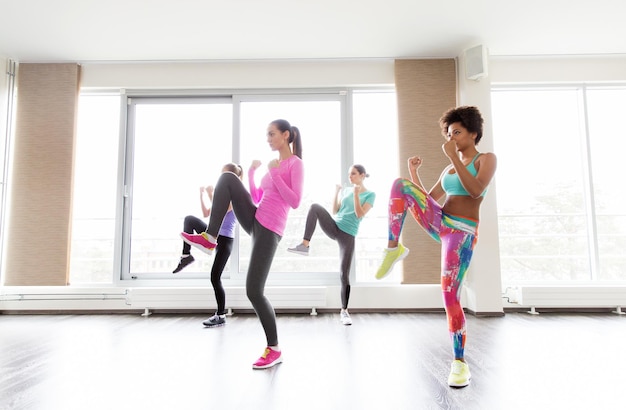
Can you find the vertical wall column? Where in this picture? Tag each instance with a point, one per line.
(425, 90)
(38, 240)
(483, 286)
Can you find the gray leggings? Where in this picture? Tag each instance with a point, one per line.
(230, 189)
(345, 241)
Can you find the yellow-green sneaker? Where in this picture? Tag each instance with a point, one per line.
(390, 258)
(459, 374)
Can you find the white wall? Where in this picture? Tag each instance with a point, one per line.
(485, 275)
(239, 74)
(483, 285)
(556, 69)
(230, 75)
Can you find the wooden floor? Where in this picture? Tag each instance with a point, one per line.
(383, 361)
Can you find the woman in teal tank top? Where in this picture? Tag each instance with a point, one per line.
(349, 206)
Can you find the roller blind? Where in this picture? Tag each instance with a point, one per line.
(41, 178)
(425, 90)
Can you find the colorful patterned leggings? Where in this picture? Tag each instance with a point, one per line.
(457, 236)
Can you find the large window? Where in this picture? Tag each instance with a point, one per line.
(6, 133)
(375, 122)
(95, 190)
(175, 148)
(127, 220)
(607, 139)
(319, 120)
(559, 209)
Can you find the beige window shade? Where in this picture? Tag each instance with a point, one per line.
(425, 90)
(42, 175)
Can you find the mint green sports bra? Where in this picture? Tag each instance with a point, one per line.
(451, 183)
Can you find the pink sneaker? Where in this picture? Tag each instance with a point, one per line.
(269, 358)
(200, 241)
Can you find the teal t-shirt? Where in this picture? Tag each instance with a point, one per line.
(345, 218)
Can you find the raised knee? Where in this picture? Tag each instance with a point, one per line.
(398, 182)
(227, 175)
(316, 207)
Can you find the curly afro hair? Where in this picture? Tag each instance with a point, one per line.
(469, 117)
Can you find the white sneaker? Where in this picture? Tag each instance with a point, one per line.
(345, 318)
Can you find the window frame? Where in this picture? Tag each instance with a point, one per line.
(122, 255)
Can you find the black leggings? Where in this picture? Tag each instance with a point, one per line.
(345, 241)
(230, 190)
(222, 253)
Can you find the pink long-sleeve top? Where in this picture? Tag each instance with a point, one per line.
(280, 189)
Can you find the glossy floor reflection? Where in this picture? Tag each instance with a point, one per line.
(383, 361)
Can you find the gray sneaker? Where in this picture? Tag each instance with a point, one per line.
(184, 261)
(215, 320)
(300, 250)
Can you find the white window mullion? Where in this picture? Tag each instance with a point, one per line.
(592, 231)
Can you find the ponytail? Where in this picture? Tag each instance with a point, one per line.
(294, 136)
(296, 141)
(361, 170)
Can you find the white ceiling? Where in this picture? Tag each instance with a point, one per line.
(163, 30)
